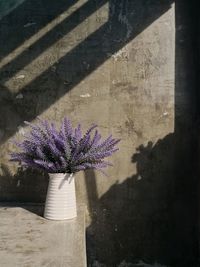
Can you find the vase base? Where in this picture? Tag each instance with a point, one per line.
(60, 219)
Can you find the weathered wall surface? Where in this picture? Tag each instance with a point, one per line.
(92, 64)
(112, 63)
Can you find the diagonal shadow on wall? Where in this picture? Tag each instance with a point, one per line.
(48, 87)
(14, 27)
(49, 39)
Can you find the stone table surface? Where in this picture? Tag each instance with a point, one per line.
(29, 240)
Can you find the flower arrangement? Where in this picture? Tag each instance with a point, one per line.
(65, 150)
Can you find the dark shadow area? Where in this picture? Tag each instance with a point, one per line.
(91, 187)
(50, 86)
(7, 6)
(153, 215)
(26, 20)
(27, 185)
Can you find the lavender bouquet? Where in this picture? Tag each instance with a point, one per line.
(65, 150)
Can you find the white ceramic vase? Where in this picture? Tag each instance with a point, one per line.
(61, 197)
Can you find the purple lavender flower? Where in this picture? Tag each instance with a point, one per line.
(66, 150)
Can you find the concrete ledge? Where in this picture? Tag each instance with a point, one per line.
(29, 240)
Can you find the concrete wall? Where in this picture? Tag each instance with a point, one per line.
(112, 63)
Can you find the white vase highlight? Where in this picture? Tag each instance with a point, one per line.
(61, 197)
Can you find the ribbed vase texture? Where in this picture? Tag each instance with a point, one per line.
(61, 197)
